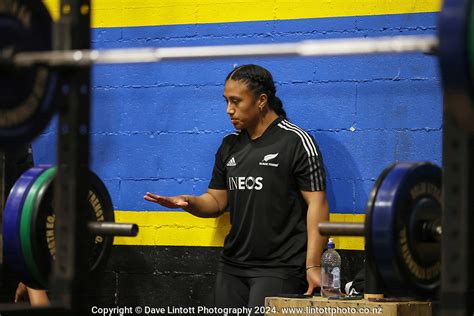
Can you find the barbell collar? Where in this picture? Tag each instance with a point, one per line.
(431, 231)
(313, 48)
(341, 229)
(113, 229)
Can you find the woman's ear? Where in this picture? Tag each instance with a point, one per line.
(262, 100)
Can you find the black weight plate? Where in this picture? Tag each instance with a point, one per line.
(12, 250)
(453, 46)
(410, 193)
(26, 95)
(99, 208)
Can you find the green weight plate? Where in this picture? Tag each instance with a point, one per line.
(43, 209)
(45, 192)
(25, 224)
(98, 208)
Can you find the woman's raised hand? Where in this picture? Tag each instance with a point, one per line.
(179, 201)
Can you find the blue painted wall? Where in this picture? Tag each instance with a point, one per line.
(157, 127)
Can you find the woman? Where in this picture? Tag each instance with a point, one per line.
(269, 174)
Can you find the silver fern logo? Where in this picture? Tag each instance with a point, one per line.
(270, 157)
(267, 158)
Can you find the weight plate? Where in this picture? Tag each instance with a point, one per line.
(101, 209)
(453, 47)
(43, 255)
(13, 253)
(26, 94)
(98, 207)
(375, 189)
(368, 217)
(471, 42)
(25, 225)
(426, 250)
(409, 196)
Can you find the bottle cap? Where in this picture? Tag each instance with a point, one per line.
(331, 244)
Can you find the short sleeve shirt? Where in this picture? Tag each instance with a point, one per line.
(264, 179)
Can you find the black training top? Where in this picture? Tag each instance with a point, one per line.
(264, 178)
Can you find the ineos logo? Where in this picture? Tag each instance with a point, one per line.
(245, 183)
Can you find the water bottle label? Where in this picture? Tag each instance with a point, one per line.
(335, 277)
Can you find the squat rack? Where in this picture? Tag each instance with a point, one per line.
(69, 277)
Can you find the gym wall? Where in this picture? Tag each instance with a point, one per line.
(156, 127)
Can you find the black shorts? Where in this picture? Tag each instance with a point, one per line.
(238, 291)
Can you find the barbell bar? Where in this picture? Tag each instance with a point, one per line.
(430, 230)
(341, 229)
(112, 229)
(312, 48)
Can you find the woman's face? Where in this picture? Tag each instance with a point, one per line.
(242, 106)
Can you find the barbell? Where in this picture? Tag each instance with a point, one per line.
(402, 229)
(29, 225)
(30, 69)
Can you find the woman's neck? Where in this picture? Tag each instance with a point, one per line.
(261, 126)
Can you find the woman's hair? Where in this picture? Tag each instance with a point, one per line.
(258, 80)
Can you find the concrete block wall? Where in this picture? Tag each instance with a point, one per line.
(156, 127)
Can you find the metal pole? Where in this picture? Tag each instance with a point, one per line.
(70, 282)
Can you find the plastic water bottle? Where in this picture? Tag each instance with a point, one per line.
(330, 271)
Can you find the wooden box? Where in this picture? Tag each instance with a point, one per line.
(322, 306)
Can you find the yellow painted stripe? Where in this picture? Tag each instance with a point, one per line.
(53, 7)
(125, 13)
(173, 229)
(183, 229)
(344, 242)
